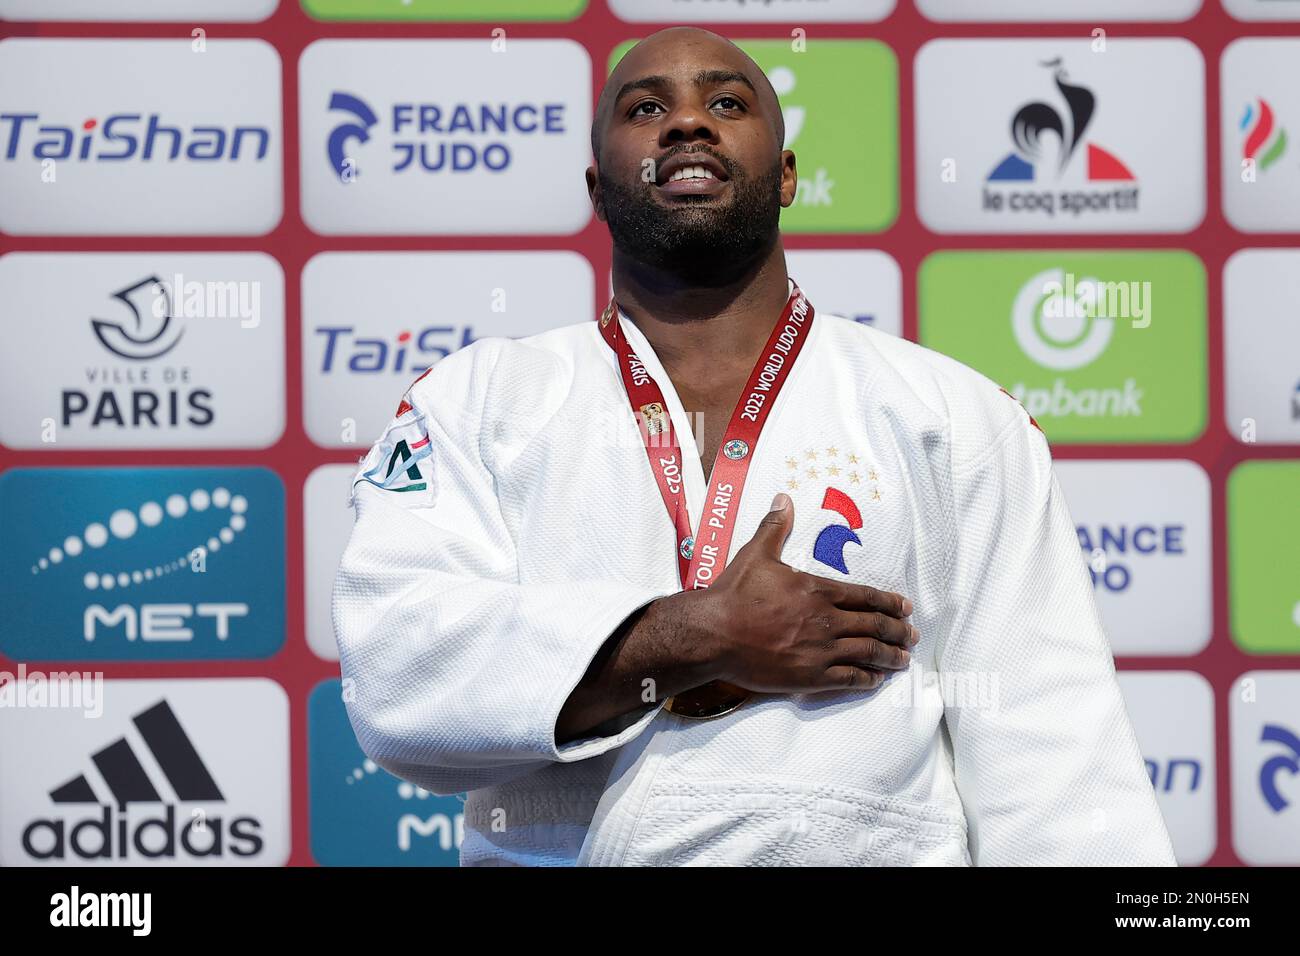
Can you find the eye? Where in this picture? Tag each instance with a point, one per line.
(728, 98)
(636, 110)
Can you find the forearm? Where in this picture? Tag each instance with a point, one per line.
(662, 649)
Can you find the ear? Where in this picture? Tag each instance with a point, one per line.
(594, 192)
(789, 178)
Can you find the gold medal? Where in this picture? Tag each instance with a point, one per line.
(713, 699)
(730, 467)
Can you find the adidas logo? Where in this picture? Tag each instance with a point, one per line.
(119, 832)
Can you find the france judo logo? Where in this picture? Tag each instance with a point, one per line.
(1289, 762)
(345, 133)
(829, 547)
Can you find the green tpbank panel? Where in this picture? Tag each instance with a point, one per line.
(1264, 556)
(1100, 347)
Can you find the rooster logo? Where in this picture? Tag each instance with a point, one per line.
(1035, 122)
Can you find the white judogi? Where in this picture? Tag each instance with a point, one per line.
(508, 521)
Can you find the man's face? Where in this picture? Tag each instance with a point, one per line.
(690, 174)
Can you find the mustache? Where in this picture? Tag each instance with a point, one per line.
(727, 164)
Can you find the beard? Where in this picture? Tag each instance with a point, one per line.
(696, 237)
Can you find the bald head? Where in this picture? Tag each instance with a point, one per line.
(698, 56)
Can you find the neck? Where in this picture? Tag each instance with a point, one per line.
(695, 328)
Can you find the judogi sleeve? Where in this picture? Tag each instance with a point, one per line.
(455, 673)
(1047, 766)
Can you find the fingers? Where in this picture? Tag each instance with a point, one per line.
(861, 597)
(847, 677)
(774, 528)
(865, 652)
(882, 627)
(862, 663)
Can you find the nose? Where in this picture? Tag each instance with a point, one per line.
(689, 122)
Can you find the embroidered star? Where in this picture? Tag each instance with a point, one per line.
(871, 475)
(832, 470)
(832, 451)
(875, 494)
(853, 477)
(792, 485)
(812, 455)
(853, 459)
(812, 472)
(791, 463)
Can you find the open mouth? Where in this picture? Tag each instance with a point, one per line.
(691, 175)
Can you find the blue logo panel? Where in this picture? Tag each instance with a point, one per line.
(362, 815)
(141, 564)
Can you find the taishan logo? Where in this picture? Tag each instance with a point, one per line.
(129, 136)
(347, 349)
(1051, 144)
(117, 831)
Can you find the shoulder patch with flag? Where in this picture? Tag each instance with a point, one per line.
(399, 460)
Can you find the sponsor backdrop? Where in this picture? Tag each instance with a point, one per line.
(233, 231)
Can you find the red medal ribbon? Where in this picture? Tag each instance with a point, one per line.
(701, 557)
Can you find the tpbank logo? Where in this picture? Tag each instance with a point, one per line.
(839, 99)
(141, 564)
(362, 815)
(1098, 346)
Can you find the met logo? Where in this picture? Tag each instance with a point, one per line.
(120, 137)
(361, 815)
(160, 622)
(141, 564)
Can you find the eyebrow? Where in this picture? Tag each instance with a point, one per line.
(702, 78)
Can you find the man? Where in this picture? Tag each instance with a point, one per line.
(901, 663)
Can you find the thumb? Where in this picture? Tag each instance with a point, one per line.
(775, 527)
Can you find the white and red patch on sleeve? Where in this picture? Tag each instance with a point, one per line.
(1023, 409)
(404, 405)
